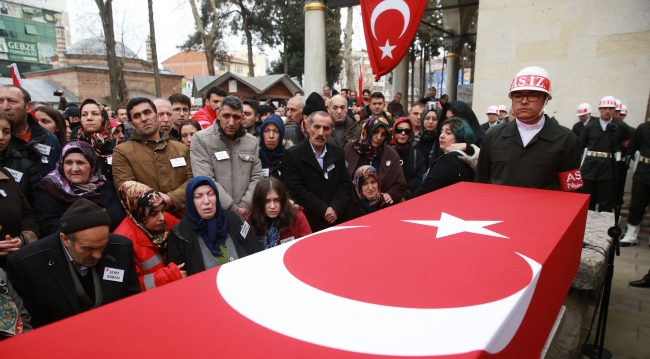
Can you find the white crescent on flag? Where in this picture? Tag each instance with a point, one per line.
(386, 5)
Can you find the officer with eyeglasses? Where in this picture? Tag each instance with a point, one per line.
(533, 151)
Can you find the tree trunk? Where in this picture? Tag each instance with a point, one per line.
(249, 42)
(106, 14)
(122, 90)
(412, 52)
(209, 55)
(285, 57)
(208, 38)
(154, 54)
(347, 51)
(422, 72)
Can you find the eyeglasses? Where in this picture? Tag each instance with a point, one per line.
(406, 131)
(181, 110)
(227, 116)
(531, 96)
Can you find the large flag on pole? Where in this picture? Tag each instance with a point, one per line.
(389, 26)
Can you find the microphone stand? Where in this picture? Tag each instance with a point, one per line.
(596, 350)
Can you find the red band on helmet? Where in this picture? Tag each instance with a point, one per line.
(539, 82)
(607, 103)
(570, 180)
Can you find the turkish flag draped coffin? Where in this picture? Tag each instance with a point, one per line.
(389, 27)
(470, 271)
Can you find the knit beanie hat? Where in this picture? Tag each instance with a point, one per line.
(83, 214)
(314, 103)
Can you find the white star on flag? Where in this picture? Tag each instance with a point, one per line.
(448, 225)
(387, 50)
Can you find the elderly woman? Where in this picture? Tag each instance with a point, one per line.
(412, 161)
(372, 149)
(52, 120)
(186, 130)
(22, 167)
(148, 225)
(425, 141)
(18, 224)
(454, 166)
(366, 193)
(208, 236)
(77, 175)
(272, 146)
(96, 130)
(273, 217)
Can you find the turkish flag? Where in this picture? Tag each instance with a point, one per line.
(431, 277)
(360, 89)
(390, 26)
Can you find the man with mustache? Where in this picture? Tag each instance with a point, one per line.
(229, 155)
(533, 150)
(316, 175)
(152, 158)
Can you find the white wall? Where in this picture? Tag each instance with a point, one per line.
(591, 48)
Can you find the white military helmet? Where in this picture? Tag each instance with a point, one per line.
(503, 108)
(493, 109)
(583, 109)
(623, 110)
(618, 104)
(532, 78)
(607, 101)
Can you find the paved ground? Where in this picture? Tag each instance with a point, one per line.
(628, 325)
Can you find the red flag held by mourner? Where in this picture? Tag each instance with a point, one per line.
(390, 26)
(360, 89)
(15, 75)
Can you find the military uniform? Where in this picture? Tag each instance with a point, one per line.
(596, 168)
(641, 179)
(549, 161)
(579, 126)
(623, 166)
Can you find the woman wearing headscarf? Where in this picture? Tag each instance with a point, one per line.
(273, 217)
(366, 194)
(77, 175)
(96, 130)
(372, 149)
(453, 166)
(208, 235)
(412, 161)
(148, 225)
(272, 146)
(425, 141)
(461, 110)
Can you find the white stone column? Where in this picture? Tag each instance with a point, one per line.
(401, 80)
(451, 81)
(314, 78)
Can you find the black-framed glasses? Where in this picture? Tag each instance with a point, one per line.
(531, 96)
(406, 131)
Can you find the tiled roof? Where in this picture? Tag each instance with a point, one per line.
(42, 90)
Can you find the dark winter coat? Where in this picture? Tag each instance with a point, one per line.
(413, 166)
(23, 169)
(40, 136)
(351, 132)
(450, 168)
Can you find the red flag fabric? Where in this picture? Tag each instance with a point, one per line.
(360, 87)
(389, 27)
(466, 282)
(15, 75)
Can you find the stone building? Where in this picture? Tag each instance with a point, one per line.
(84, 72)
(591, 48)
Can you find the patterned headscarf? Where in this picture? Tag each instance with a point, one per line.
(360, 176)
(11, 322)
(138, 200)
(57, 185)
(363, 144)
(101, 139)
(401, 120)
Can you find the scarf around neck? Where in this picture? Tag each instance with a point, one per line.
(272, 157)
(363, 144)
(138, 200)
(214, 231)
(100, 140)
(360, 176)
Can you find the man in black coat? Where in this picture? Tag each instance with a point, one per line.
(596, 169)
(75, 270)
(316, 175)
(640, 184)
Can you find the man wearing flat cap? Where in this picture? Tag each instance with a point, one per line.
(74, 270)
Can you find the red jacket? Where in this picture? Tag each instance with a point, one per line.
(149, 263)
(205, 117)
(300, 227)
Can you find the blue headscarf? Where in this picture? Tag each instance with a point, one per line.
(213, 231)
(272, 157)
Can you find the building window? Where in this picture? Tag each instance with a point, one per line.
(239, 69)
(30, 29)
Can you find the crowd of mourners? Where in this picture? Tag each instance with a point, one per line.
(98, 204)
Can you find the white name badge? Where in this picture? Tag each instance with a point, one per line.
(292, 238)
(17, 175)
(265, 172)
(178, 162)
(109, 160)
(331, 167)
(222, 155)
(115, 275)
(244, 229)
(387, 163)
(43, 149)
(44, 160)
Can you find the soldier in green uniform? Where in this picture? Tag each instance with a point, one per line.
(533, 151)
(640, 183)
(596, 169)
